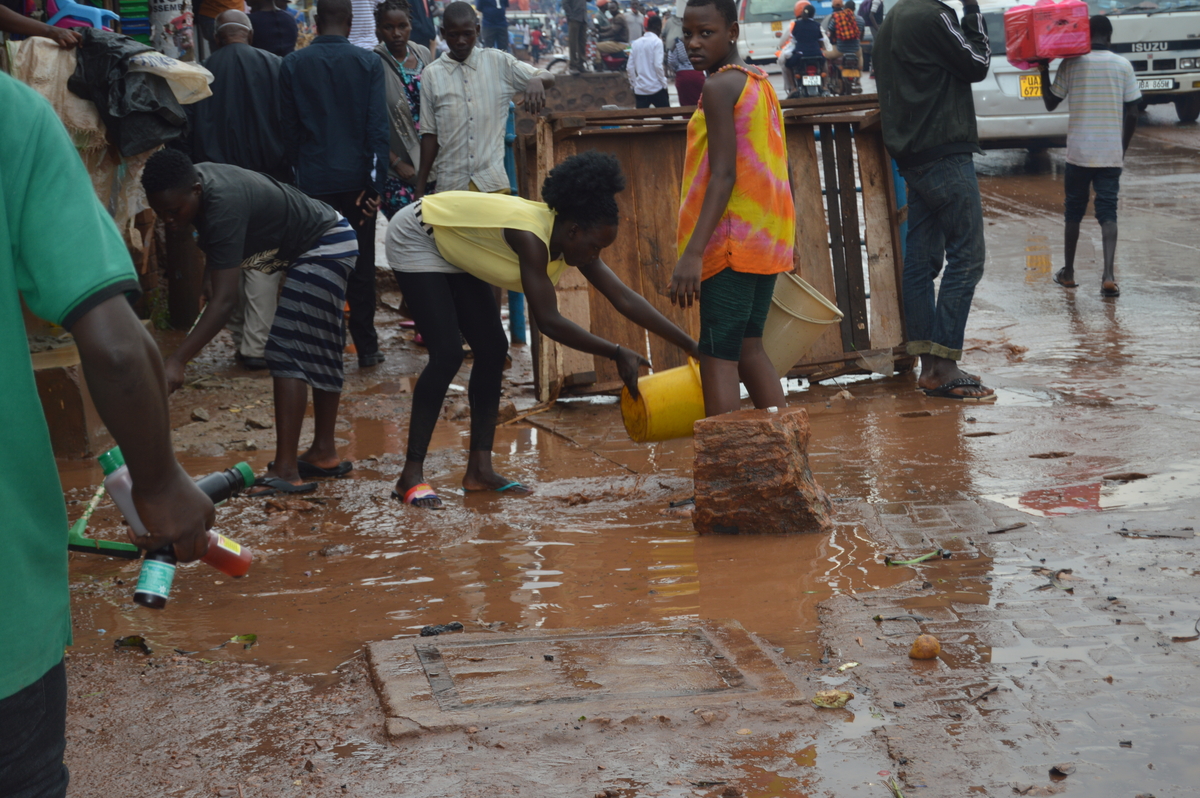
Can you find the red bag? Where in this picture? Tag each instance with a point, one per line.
(1018, 37)
(1061, 30)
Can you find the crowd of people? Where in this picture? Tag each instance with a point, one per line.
(291, 159)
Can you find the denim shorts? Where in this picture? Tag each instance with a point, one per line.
(733, 306)
(1076, 183)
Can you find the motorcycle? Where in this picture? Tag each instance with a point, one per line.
(844, 75)
(808, 77)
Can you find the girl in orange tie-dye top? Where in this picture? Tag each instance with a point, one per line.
(736, 219)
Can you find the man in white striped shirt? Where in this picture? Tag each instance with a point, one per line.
(1103, 96)
(464, 107)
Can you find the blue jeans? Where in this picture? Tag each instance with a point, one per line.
(945, 225)
(495, 37)
(1077, 180)
(33, 737)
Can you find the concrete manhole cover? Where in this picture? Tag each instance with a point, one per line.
(459, 679)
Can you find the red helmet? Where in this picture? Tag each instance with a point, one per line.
(800, 7)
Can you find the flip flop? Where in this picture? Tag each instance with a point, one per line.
(946, 391)
(1058, 278)
(513, 486)
(1110, 292)
(417, 492)
(274, 485)
(310, 471)
(408, 324)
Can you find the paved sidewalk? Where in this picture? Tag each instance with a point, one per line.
(1081, 668)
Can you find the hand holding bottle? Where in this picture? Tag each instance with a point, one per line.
(175, 512)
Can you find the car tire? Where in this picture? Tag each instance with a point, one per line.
(1188, 107)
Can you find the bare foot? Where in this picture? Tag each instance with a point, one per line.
(321, 460)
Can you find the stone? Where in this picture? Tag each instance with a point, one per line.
(752, 474)
(200, 414)
(259, 420)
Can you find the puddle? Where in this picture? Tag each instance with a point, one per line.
(1132, 490)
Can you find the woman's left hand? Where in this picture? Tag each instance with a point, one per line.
(628, 365)
(405, 171)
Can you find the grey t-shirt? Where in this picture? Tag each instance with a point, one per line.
(245, 213)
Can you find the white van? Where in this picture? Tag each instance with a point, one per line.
(1008, 102)
(764, 24)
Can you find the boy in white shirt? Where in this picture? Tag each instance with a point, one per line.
(647, 74)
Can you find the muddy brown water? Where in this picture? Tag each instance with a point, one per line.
(1108, 384)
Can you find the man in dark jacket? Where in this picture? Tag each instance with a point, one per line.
(926, 63)
(335, 128)
(240, 125)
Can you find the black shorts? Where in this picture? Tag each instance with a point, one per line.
(1077, 180)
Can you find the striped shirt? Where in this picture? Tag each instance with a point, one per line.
(465, 104)
(1096, 86)
(362, 26)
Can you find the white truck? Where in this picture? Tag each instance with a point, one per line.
(1161, 38)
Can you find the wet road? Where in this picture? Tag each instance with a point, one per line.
(1089, 388)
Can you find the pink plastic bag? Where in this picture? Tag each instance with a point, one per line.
(1018, 37)
(1061, 30)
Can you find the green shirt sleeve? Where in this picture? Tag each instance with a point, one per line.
(68, 256)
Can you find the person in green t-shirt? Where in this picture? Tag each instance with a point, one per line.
(61, 253)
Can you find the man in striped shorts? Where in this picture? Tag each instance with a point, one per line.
(248, 220)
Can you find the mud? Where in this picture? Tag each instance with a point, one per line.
(1106, 385)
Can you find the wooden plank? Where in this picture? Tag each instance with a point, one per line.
(812, 233)
(852, 238)
(547, 374)
(656, 174)
(833, 202)
(623, 256)
(878, 208)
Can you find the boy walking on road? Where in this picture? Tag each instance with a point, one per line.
(926, 63)
(1104, 99)
(464, 107)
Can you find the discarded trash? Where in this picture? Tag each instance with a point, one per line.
(935, 553)
(246, 640)
(1051, 455)
(132, 641)
(433, 631)
(1181, 532)
(1190, 638)
(832, 699)
(925, 647)
(744, 731)
(1062, 769)
(548, 657)
(847, 666)
(1008, 528)
(1057, 578)
(984, 694)
(1124, 476)
(895, 788)
(917, 618)
(1126, 743)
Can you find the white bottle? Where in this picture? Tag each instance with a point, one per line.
(119, 485)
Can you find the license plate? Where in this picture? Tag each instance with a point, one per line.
(777, 25)
(810, 80)
(851, 73)
(1153, 84)
(1031, 87)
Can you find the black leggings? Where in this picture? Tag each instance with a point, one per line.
(443, 306)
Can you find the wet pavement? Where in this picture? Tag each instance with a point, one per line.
(1094, 433)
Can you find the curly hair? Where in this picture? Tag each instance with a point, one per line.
(387, 6)
(583, 188)
(168, 169)
(726, 8)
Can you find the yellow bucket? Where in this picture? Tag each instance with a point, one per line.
(798, 316)
(668, 404)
